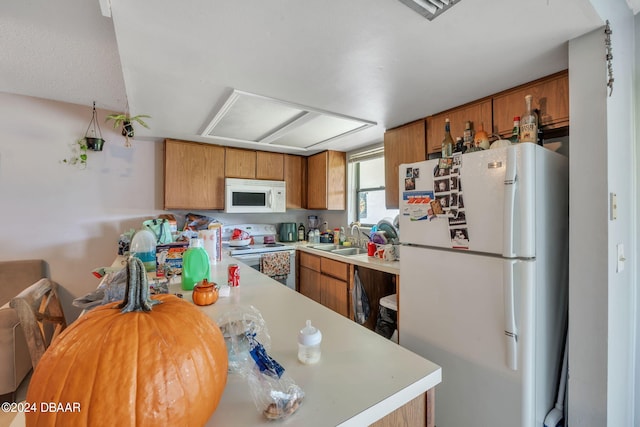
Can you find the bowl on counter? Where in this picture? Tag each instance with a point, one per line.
(239, 242)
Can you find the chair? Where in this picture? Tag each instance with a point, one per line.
(15, 362)
(41, 316)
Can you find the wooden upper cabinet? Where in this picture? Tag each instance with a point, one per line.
(240, 163)
(550, 98)
(478, 113)
(295, 175)
(405, 144)
(193, 175)
(269, 166)
(326, 180)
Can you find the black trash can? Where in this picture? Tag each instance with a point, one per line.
(386, 323)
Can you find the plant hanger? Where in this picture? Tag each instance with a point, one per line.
(94, 141)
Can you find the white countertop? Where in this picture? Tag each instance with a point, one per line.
(363, 260)
(360, 378)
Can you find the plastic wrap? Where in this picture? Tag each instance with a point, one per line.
(237, 324)
(274, 392)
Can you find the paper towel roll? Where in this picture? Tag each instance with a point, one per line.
(212, 240)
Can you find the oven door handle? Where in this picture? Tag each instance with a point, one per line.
(247, 257)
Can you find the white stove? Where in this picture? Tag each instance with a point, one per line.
(260, 248)
(263, 235)
(252, 254)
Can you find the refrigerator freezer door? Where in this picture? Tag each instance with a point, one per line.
(494, 190)
(471, 314)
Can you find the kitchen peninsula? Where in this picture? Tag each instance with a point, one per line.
(361, 378)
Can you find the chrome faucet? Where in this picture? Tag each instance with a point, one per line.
(356, 226)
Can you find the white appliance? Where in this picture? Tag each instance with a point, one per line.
(252, 253)
(484, 262)
(254, 196)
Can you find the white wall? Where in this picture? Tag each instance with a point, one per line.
(602, 308)
(73, 218)
(70, 217)
(636, 180)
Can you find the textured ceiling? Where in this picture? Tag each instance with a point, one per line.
(376, 60)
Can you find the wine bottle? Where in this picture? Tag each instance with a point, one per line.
(468, 136)
(529, 123)
(515, 134)
(447, 142)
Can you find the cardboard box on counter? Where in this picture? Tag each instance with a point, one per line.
(169, 256)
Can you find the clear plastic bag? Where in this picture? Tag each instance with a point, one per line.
(274, 392)
(361, 308)
(237, 324)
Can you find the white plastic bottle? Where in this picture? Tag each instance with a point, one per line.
(143, 247)
(309, 339)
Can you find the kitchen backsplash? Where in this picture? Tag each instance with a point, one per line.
(333, 218)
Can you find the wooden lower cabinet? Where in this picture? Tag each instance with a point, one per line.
(325, 281)
(310, 284)
(419, 413)
(334, 294)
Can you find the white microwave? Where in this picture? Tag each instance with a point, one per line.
(254, 196)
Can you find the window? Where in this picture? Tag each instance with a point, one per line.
(366, 173)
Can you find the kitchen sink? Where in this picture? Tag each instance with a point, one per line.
(349, 251)
(325, 247)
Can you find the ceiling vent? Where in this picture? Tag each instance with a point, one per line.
(430, 9)
(250, 118)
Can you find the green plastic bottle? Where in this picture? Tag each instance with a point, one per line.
(195, 265)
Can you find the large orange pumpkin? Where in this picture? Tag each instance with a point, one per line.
(138, 366)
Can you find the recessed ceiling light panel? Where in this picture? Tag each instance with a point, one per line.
(246, 117)
(430, 9)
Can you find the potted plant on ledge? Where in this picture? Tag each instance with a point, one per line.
(126, 122)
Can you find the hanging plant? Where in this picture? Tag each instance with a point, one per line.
(78, 154)
(126, 122)
(93, 139)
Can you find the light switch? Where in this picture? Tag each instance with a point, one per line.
(621, 258)
(613, 206)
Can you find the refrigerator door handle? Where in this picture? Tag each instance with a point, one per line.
(510, 329)
(510, 179)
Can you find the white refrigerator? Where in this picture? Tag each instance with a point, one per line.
(483, 280)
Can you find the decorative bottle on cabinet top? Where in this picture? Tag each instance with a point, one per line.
(529, 123)
(515, 133)
(468, 136)
(447, 142)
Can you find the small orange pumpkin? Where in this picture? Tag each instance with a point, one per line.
(133, 367)
(204, 293)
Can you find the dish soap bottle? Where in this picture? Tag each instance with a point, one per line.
(143, 247)
(309, 339)
(195, 265)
